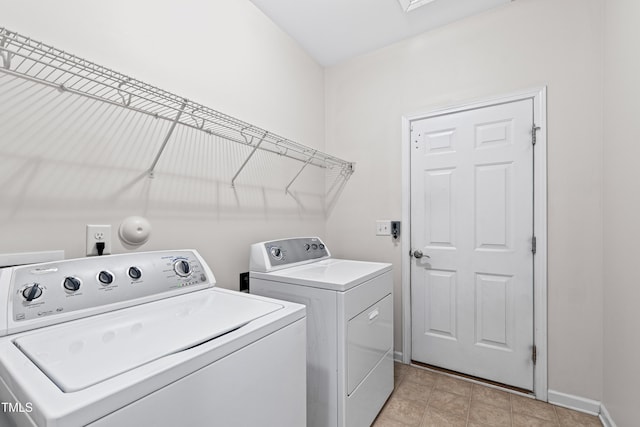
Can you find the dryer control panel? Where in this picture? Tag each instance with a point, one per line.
(42, 294)
(277, 254)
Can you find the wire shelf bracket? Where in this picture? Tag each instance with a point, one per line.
(5, 55)
(35, 61)
(255, 148)
(166, 140)
(286, 189)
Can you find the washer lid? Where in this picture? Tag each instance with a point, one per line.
(79, 354)
(335, 274)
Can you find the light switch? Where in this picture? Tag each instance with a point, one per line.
(383, 227)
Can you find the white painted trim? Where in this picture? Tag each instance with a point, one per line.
(576, 403)
(540, 260)
(531, 93)
(539, 96)
(406, 242)
(397, 356)
(605, 417)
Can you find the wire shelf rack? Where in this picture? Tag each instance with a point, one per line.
(37, 62)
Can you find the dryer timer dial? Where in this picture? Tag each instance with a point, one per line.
(276, 252)
(31, 292)
(182, 268)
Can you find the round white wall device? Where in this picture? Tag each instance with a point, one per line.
(134, 231)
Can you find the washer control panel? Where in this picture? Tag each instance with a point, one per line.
(56, 289)
(274, 254)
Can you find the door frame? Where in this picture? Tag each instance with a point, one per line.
(539, 97)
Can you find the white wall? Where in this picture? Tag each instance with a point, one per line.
(525, 44)
(67, 161)
(621, 211)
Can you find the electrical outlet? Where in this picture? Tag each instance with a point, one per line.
(383, 228)
(244, 282)
(95, 234)
(395, 230)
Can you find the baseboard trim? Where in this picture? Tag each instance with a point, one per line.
(397, 356)
(605, 418)
(577, 403)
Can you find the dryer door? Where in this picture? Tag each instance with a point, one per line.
(370, 337)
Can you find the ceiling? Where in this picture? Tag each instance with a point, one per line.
(332, 31)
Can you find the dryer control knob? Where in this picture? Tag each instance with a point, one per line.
(135, 273)
(105, 277)
(182, 268)
(71, 283)
(32, 292)
(276, 252)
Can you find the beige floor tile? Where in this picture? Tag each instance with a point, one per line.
(397, 378)
(406, 411)
(533, 408)
(399, 370)
(490, 396)
(454, 385)
(436, 419)
(520, 420)
(413, 391)
(489, 415)
(425, 398)
(383, 421)
(396, 382)
(476, 424)
(569, 418)
(419, 375)
(449, 403)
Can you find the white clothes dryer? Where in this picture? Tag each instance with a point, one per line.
(349, 325)
(145, 339)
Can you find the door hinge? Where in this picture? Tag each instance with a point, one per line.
(534, 132)
(534, 354)
(533, 245)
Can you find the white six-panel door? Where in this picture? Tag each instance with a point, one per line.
(472, 218)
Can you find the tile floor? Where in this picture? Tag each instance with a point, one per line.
(423, 398)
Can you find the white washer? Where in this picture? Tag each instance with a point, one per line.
(145, 339)
(349, 325)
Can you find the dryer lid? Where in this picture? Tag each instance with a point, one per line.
(335, 274)
(80, 354)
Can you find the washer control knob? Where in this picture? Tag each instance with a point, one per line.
(314, 246)
(105, 277)
(321, 246)
(71, 283)
(32, 292)
(276, 252)
(135, 273)
(307, 246)
(182, 268)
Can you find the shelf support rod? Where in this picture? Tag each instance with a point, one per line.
(5, 54)
(166, 138)
(286, 189)
(247, 159)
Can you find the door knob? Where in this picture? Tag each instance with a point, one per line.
(418, 254)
